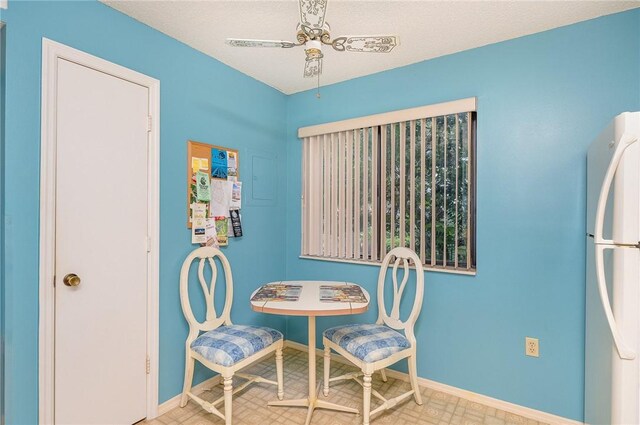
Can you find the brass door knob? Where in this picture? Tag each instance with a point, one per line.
(71, 279)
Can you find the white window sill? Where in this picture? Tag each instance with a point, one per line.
(377, 264)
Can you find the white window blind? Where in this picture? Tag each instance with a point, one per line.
(406, 183)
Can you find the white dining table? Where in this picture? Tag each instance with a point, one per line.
(309, 304)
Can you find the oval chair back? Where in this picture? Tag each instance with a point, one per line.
(397, 256)
(212, 320)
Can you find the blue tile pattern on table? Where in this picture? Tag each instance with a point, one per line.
(228, 345)
(368, 342)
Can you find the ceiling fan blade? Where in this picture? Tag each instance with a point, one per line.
(312, 67)
(241, 42)
(366, 44)
(312, 16)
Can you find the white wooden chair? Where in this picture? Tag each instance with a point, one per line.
(373, 347)
(223, 347)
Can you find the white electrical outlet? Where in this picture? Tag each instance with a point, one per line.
(531, 347)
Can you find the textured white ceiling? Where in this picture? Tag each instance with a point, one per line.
(427, 29)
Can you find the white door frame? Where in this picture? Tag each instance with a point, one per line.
(51, 52)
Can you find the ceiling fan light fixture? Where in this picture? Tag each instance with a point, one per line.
(313, 49)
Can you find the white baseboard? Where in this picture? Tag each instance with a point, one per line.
(174, 402)
(516, 409)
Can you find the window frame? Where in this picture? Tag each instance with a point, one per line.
(468, 105)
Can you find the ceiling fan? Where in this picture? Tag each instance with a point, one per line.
(313, 32)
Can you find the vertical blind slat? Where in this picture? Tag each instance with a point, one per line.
(469, 192)
(349, 195)
(307, 198)
(403, 182)
(342, 182)
(317, 209)
(392, 175)
(444, 194)
(314, 192)
(335, 157)
(365, 193)
(356, 191)
(383, 191)
(423, 203)
(455, 255)
(326, 164)
(434, 189)
(304, 204)
(412, 190)
(374, 193)
(328, 192)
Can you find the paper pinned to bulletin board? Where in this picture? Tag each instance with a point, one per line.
(213, 184)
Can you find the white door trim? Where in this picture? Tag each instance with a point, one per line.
(51, 51)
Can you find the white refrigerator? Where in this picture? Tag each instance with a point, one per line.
(612, 337)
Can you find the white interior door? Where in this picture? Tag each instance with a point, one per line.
(101, 236)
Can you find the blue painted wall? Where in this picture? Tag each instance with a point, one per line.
(2, 144)
(541, 100)
(201, 99)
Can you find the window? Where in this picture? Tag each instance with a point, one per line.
(404, 178)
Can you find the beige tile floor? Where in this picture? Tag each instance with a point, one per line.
(250, 405)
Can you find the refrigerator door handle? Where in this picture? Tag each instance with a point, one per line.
(601, 244)
(624, 352)
(625, 141)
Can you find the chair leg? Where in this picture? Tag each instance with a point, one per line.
(279, 373)
(188, 379)
(383, 374)
(413, 376)
(327, 370)
(228, 392)
(366, 399)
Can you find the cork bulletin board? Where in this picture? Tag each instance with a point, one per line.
(206, 157)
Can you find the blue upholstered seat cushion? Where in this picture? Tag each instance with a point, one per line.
(228, 345)
(368, 342)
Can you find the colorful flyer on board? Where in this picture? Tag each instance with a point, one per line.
(232, 166)
(236, 225)
(203, 192)
(198, 230)
(220, 197)
(221, 231)
(218, 163)
(236, 196)
(229, 228)
(199, 164)
(210, 232)
(199, 210)
(198, 224)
